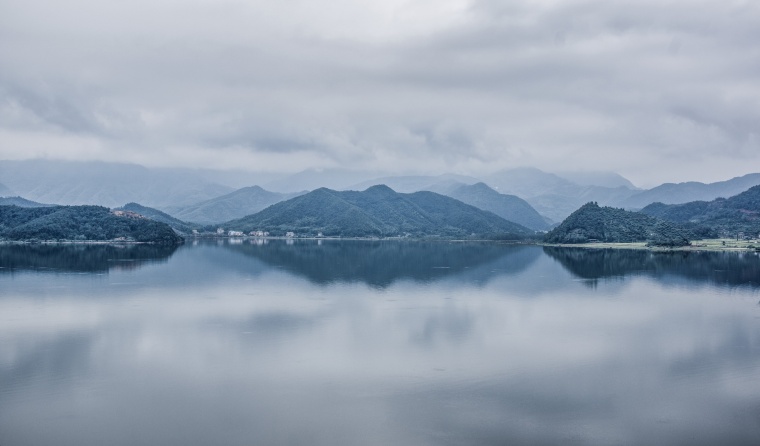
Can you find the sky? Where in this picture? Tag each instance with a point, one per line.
(658, 91)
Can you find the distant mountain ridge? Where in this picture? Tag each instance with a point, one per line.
(105, 184)
(671, 193)
(739, 213)
(21, 202)
(414, 183)
(508, 207)
(156, 215)
(380, 212)
(237, 204)
(553, 196)
(5, 191)
(597, 178)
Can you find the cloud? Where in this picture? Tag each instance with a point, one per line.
(657, 91)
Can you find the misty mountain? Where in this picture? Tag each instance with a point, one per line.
(107, 184)
(552, 196)
(237, 204)
(597, 178)
(5, 191)
(336, 179)
(606, 224)
(21, 202)
(416, 183)
(508, 207)
(156, 215)
(671, 193)
(378, 211)
(738, 213)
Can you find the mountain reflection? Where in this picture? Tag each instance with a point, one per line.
(723, 268)
(381, 263)
(80, 258)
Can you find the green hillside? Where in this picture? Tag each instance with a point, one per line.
(378, 212)
(740, 213)
(508, 207)
(605, 224)
(155, 214)
(21, 202)
(80, 223)
(237, 204)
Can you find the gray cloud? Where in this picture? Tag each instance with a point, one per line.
(657, 91)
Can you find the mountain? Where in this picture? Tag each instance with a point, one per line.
(21, 202)
(670, 193)
(740, 213)
(597, 178)
(552, 196)
(107, 184)
(5, 191)
(80, 223)
(378, 212)
(508, 207)
(416, 183)
(156, 215)
(237, 204)
(338, 179)
(606, 224)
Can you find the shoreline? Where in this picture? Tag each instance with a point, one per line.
(82, 242)
(716, 245)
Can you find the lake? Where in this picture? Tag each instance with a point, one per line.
(377, 343)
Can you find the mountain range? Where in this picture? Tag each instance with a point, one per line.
(380, 212)
(5, 191)
(105, 184)
(739, 213)
(508, 207)
(21, 202)
(237, 204)
(157, 215)
(189, 194)
(671, 193)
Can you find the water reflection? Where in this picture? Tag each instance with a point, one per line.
(381, 263)
(227, 344)
(721, 268)
(80, 258)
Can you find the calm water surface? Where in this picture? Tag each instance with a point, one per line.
(377, 343)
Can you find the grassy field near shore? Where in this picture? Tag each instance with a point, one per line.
(723, 244)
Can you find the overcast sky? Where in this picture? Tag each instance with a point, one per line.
(657, 91)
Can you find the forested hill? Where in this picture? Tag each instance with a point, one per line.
(605, 224)
(21, 202)
(379, 212)
(508, 207)
(740, 213)
(155, 214)
(81, 223)
(237, 204)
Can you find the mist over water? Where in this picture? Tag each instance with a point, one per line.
(353, 342)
